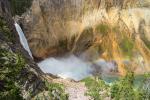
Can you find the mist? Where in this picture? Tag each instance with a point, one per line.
(72, 67)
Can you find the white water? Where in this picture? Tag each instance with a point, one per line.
(73, 67)
(23, 39)
(68, 68)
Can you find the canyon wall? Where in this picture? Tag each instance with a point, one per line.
(20, 77)
(111, 29)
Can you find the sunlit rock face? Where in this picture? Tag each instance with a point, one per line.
(55, 27)
(50, 23)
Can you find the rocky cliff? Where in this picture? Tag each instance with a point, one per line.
(110, 29)
(20, 78)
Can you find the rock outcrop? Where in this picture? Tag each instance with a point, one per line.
(19, 74)
(55, 27)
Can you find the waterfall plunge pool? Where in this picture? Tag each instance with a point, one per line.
(73, 67)
(69, 67)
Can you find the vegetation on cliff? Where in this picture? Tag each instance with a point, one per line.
(11, 65)
(126, 46)
(97, 88)
(5, 30)
(15, 74)
(123, 89)
(102, 29)
(20, 6)
(56, 91)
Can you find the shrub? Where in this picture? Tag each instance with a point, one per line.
(102, 29)
(11, 65)
(124, 88)
(5, 30)
(95, 88)
(126, 46)
(56, 91)
(144, 90)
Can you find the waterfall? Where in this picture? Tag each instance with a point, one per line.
(23, 39)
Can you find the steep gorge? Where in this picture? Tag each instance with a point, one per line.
(74, 38)
(98, 28)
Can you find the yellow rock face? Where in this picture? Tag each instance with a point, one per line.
(53, 27)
